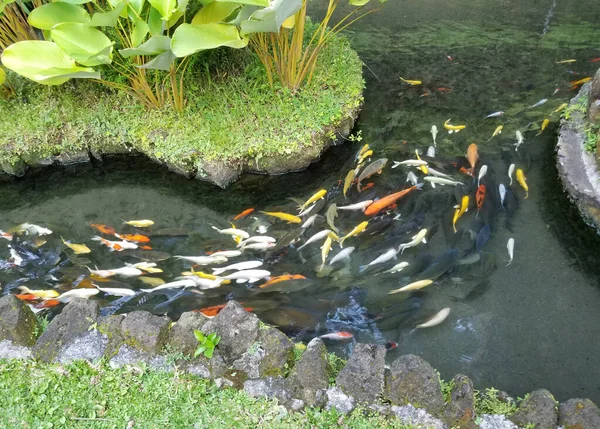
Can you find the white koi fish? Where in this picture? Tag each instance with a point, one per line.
(204, 260)
(502, 192)
(388, 255)
(511, 169)
(234, 232)
(33, 229)
(412, 178)
(115, 291)
(358, 206)
(77, 293)
(482, 172)
(247, 265)
(341, 255)
(250, 276)
(434, 133)
(431, 152)
(318, 236)
(440, 181)
(510, 246)
(398, 267)
(309, 222)
(410, 163)
(439, 174)
(519, 140)
(419, 238)
(435, 320)
(185, 283)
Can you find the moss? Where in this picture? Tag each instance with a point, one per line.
(231, 116)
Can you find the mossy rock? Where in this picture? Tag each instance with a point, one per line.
(17, 322)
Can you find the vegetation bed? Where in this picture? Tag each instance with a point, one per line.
(234, 121)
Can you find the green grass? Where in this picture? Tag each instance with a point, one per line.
(232, 113)
(83, 396)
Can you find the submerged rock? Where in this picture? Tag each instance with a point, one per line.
(337, 399)
(362, 377)
(460, 411)
(18, 324)
(310, 378)
(181, 336)
(145, 331)
(411, 380)
(539, 409)
(74, 321)
(578, 414)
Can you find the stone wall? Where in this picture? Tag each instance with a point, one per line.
(261, 360)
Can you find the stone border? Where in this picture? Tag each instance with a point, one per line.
(577, 168)
(261, 360)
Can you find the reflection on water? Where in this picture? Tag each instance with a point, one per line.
(516, 327)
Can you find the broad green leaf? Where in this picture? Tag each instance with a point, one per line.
(108, 19)
(217, 341)
(189, 39)
(43, 62)
(174, 18)
(86, 45)
(47, 16)
(139, 33)
(182, 5)
(4, 3)
(244, 13)
(205, 2)
(199, 335)
(263, 3)
(270, 19)
(135, 9)
(2, 76)
(76, 1)
(214, 12)
(155, 23)
(209, 352)
(154, 46)
(160, 62)
(164, 7)
(358, 2)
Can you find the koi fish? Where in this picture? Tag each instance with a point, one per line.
(364, 156)
(357, 230)
(412, 286)
(482, 172)
(423, 167)
(325, 249)
(431, 152)
(472, 156)
(144, 223)
(122, 272)
(390, 254)
(246, 265)
(250, 276)
(510, 246)
(544, 126)
(255, 239)
(410, 163)
(559, 108)
(480, 197)
(115, 245)
(453, 128)
(317, 196)
(39, 293)
(539, 103)
(342, 254)
(463, 170)
(234, 232)
(283, 278)
(566, 61)
(419, 238)
(136, 238)
(185, 283)
(441, 181)
(244, 214)
(26, 297)
(411, 82)
(398, 267)
(438, 174)
(349, 179)
(435, 320)
(502, 192)
(77, 293)
(259, 246)
(497, 131)
(412, 178)
(203, 260)
(495, 114)
(522, 181)
(384, 202)
(104, 229)
(367, 186)
(576, 83)
(520, 140)
(283, 216)
(309, 221)
(459, 211)
(376, 167)
(358, 206)
(330, 216)
(318, 236)
(78, 249)
(434, 133)
(151, 281)
(337, 336)
(594, 60)
(116, 291)
(33, 229)
(228, 253)
(146, 247)
(361, 151)
(149, 267)
(511, 168)
(47, 303)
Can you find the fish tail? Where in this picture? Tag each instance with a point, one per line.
(215, 228)
(362, 268)
(526, 195)
(509, 262)
(94, 238)
(419, 186)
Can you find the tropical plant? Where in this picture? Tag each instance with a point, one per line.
(13, 22)
(285, 53)
(206, 343)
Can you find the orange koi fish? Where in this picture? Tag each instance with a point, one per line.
(472, 156)
(244, 214)
(27, 297)
(379, 205)
(213, 310)
(595, 60)
(576, 83)
(136, 238)
(47, 303)
(368, 186)
(145, 247)
(443, 89)
(104, 229)
(282, 278)
(465, 171)
(480, 197)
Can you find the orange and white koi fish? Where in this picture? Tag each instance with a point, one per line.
(117, 246)
(136, 238)
(342, 335)
(104, 229)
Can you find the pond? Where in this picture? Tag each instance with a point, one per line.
(516, 327)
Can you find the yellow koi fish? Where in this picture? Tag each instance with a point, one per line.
(202, 276)
(325, 248)
(79, 249)
(151, 281)
(144, 223)
(411, 82)
(412, 286)
(559, 108)
(566, 61)
(522, 181)
(544, 126)
(453, 128)
(39, 293)
(357, 230)
(464, 207)
(284, 216)
(423, 168)
(498, 130)
(364, 156)
(317, 196)
(349, 179)
(362, 151)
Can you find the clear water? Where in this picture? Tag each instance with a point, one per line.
(533, 324)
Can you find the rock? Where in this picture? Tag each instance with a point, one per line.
(128, 355)
(417, 417)
(310, 375)
(578, 414)
(337, 399)
(539, 409)
(9, 350)
(74, 322)
(363, 375)
(217, 172)
(412, 380)
(18, 324)
(296, 404)
(595, 87)
(594, 112)
(279, 351)
(14, 167)
(70, 158)
(91, 346)
(495, 421)
(269, 387)
(145, 331)
(110, 326)
(238, 330)
(460, 411)
(181, 336)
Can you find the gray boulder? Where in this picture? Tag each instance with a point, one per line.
(310, 375)
(90, 346)
(145, 331)
(9, 350)
(74, 321)
(595, 87)
(337, 399)
(269, 387)
(110, 326)
(539, 409)
(17, 322)
(578, 414)
(418, 417)
(363, 375)
(128, 355)
(181, 336)
(411, 380)
(460, 411)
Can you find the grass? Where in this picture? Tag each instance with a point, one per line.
(232, 113)
(83, 396)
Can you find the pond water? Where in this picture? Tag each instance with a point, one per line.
(519, 327)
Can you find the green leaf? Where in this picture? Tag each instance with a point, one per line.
(209, 352)
(214, 12)
(270, 18)
(77, 1)
(108, 19)
(155, 23)
(164, 7)
(43, 62)
(199, 335)
(189, 39)
(2, 76)
(139, 33)
(160, 62)
(217, 340)
(358, 2)
(84, 44)
(263, 3)
(154, 46)
(4, 3)
(135, 9)
(47, 16)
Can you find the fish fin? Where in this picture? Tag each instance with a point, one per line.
(362, 268)
(424, 240)
(419, 186)
(509, 262)
(240, 281)
(94, 238)
(214, 227)
(396, 164)
(456, 207)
